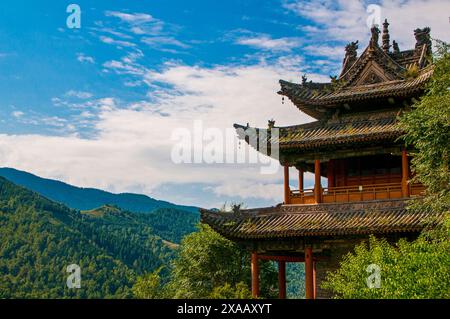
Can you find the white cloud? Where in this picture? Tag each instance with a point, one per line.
(17, 114)
(345, 20)
(249, 189)
(331, 52)
(81, 57)
(162, 41)
(134, 18)
(139, 23)
(78, 94)
(132, 148)
(120, 43)
(265, 42)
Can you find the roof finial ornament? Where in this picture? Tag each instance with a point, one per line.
(304, 79)
(351, 55)
(423, 38)
(395, 47)
(385, 37)
(375, 35)
(271, 123)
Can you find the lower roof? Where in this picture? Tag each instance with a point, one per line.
(344, 131)
(331, 219)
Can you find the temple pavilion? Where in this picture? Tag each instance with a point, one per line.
(354, 146)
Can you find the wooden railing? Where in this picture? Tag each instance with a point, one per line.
(354, 193)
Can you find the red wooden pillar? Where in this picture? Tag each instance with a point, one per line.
(255, 275)
(282, 279)
(330, 174)
(287, 191)
(300, 179)
(309, 273)
(317, 185)
(405, 174)
(314, 280)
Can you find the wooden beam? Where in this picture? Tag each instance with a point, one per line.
(317, 185)
(287, 191)
(309, 273)
(255, 275)
(300, 179)
(282, 280)
(405, 174)
(293, 259)
(290, 259)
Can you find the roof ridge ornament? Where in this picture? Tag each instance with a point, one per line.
(351, 55)
(375, 31)
(423, 38)
(395, 47)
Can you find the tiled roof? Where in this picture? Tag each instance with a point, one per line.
(375, 217)
(377, 73)
(356, 128)
(314, 101)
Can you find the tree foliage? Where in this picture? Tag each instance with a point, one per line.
(210, 266)
(40, 238)
(420, 269)
(427, 128)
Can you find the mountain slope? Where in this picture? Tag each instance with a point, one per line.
(86, 198)
(40, 238)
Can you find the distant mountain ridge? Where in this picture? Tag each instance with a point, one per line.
(86, 198)
(40, 238)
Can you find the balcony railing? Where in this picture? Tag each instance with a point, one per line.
(354, 193)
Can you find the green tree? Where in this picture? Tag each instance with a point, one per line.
(148, 286)
(239, 291)
(427, 128)
(410, 270)
(210, 266)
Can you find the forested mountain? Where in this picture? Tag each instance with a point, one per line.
(86, 198)
(40, 238)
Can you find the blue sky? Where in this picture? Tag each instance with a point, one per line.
(97, 106)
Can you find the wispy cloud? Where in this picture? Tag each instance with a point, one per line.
(159, 42)
(81, 57)
(17, 114)
(118, 43)
(331, 52)
(346, 20)
(78, 94)
(139, 23)
(266, 42)
(133, 18)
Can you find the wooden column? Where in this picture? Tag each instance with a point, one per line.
(287, 191)
(309, 273)
(330, 174)
(405, 174)
(300, 179)
(282, 280)
(255, 275)
(317, 185)
(314, 280)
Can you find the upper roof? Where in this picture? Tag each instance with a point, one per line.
(377, 73)
(331, 219)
